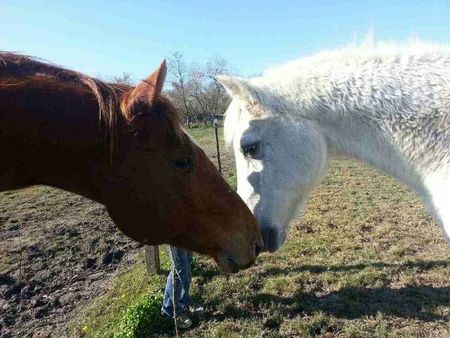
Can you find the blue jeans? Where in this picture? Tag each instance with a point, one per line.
(181, 263)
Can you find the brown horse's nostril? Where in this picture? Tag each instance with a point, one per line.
(258, 248)
(232, 265)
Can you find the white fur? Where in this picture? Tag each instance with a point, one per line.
(387, 105)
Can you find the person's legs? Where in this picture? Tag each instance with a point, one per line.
(185, 299)
(181, 265)
(167, 306)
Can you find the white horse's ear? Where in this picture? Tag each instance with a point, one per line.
(251, 96)
(239, 88)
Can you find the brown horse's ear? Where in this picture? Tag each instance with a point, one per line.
(156, 82)
(147, 90)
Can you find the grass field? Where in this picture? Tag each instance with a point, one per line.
(365, 260)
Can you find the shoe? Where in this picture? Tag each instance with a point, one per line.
(196, 309)
(183, 321)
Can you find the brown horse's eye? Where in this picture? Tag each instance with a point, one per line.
(184, 163)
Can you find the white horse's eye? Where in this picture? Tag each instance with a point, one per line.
(250, 150)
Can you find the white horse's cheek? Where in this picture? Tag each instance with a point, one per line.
(255, 166)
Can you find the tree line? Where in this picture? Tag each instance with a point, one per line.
(193, 88)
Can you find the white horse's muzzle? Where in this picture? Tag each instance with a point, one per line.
(273, 237)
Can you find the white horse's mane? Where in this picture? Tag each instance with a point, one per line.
(354, 55)
(310, 79)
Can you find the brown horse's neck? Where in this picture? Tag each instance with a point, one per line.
(50, 134)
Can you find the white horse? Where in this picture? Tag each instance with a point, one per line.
(387, 105)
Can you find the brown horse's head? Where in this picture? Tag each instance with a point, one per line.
(165, 189)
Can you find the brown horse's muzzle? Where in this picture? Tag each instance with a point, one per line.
(231, 261)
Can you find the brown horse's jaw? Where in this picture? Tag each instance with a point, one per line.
(228, 265)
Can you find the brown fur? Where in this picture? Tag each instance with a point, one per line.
(50, 134)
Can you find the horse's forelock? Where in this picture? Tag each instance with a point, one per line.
(162, 110)
(259, 102)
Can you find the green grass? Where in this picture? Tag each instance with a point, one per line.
(115, 313)
(365, 260)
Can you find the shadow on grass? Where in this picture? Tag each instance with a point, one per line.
(354, 302)
(420, 265)
(208, 273)
(416, 302)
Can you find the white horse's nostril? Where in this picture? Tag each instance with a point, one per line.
(273, 237)
(270, 237)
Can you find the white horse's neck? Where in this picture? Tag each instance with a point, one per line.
(372, 144)
(348, 136)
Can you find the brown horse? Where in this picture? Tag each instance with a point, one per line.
(125, 149)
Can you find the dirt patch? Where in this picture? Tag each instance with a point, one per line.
(58, 251)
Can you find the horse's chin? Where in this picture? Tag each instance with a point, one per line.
(228, 265)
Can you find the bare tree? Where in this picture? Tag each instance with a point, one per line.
(208, 94)
(198, 83)
(125, 78)
(218, 100)
(195, 90)
(179, 78)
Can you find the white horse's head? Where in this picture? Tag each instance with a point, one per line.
(279, 160)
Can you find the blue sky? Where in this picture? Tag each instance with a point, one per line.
(112, 37)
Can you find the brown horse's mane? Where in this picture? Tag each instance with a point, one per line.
(108, 95)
